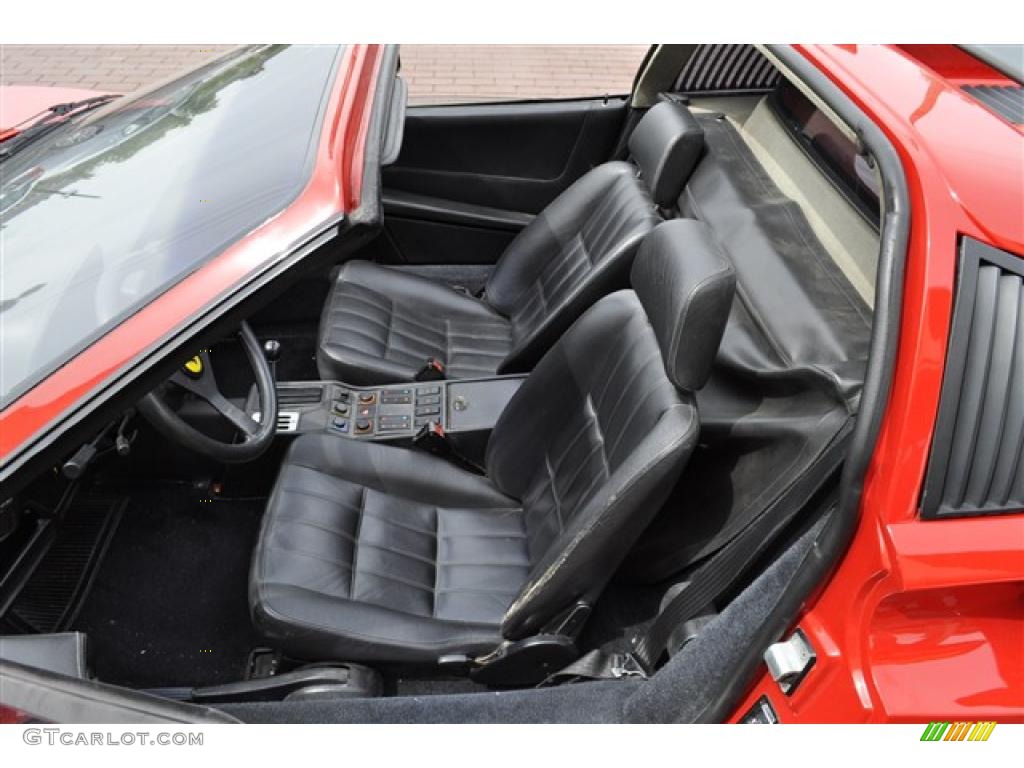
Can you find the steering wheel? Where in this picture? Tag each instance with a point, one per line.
(196, 376)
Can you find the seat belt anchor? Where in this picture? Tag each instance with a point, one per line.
(627, 665)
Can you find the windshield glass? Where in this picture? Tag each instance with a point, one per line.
(101, 215)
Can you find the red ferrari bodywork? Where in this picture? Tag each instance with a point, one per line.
(922, 620)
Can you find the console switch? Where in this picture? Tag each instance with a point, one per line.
(396, 396)
(392, 423)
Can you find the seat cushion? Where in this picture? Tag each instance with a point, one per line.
(375, 553)
(381, 325)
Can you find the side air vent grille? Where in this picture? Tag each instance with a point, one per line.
(1007, 101)
(718, 67)
(977, 459)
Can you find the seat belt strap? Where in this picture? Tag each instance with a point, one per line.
(725, 567)
(708, 582)
(599, 664)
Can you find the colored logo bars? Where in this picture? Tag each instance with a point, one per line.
(979, 731)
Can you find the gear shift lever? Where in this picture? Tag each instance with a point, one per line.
(272, 351)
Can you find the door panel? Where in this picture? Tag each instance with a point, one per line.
(416, 241)
(512, 156)
(469, 177)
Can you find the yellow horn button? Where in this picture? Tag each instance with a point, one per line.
(194, 367)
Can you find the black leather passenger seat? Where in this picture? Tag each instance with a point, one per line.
(381, 326)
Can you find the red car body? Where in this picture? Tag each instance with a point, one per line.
(921, 620)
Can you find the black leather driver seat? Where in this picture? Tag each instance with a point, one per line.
(381, 325)
(370, 552)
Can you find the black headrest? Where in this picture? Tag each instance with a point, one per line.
(686, 284)
(666, 144)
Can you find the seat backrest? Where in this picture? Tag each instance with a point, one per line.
(581, 246)
(597, 435)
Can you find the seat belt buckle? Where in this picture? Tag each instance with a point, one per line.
(432, 438)
(432, 370)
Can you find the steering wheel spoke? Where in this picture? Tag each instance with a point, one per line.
(235, 415)
(205, 387)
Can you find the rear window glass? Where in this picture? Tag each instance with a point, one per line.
(853, 173)
(104, 213)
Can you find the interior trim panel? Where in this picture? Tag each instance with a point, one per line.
(515, 157)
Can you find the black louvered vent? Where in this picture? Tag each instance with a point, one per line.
(1007, 101)
(721, 67)
(977, 458)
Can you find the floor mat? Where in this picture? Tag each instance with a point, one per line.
(50, 599)
(169, 605)
(620, 610)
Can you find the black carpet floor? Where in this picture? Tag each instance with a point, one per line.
(169, 604)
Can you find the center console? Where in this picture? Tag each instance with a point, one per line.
(384, 412)
(393, 412)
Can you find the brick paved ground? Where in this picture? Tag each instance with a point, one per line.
(435, 73)
(445, 73)
(116, 68)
